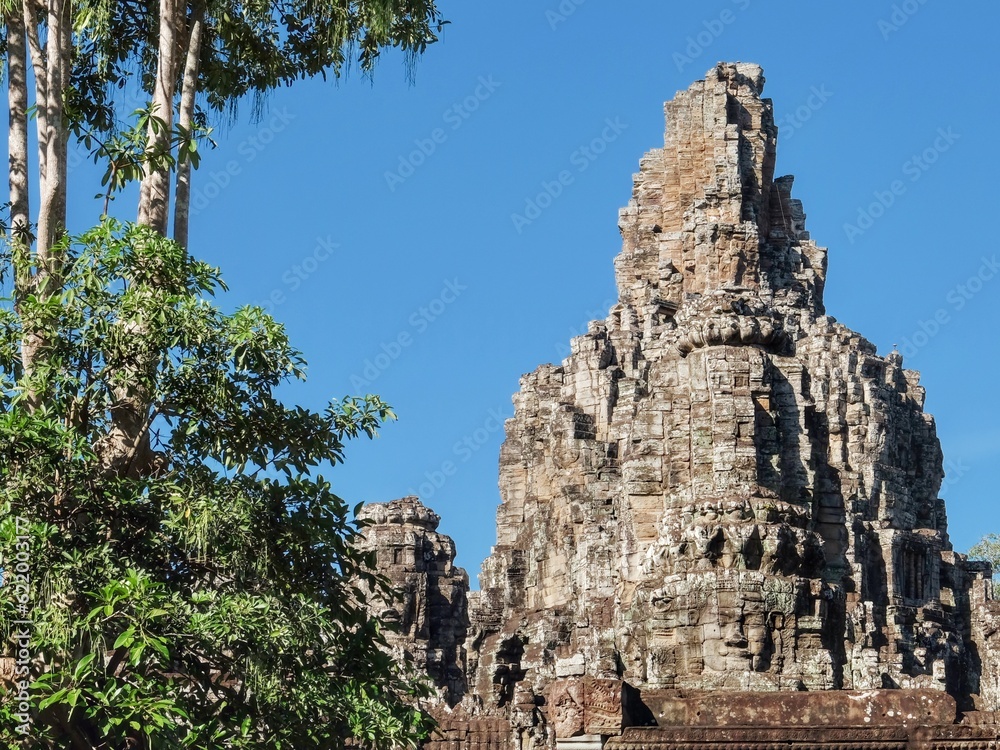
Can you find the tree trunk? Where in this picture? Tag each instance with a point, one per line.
(41, 275)
(17, 148)
(154, 190)
(125, 450)
(189, 91)
(32, 10)
(17, 177)
(52, 203)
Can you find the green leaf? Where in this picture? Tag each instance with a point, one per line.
(81, 666)
(126, 638)
(51, 700)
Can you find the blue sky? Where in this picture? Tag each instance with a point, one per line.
(378, 219)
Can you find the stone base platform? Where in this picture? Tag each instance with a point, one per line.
(592, 714)
(835, 720)
(958, 737)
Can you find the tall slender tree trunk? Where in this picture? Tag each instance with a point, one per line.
(17, 149)
(33, 11)
(52, 198)
(41, 275)
(189, 92)
(17, 180)
(154, 190)
(126, 449)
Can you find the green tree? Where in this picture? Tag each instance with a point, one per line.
(220, 51)
(214, 602)
(187, 572)
(988, 549)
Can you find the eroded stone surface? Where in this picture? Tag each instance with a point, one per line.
(840, 708)
(722, 488)
(431, 615)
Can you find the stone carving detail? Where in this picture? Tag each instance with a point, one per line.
(585, 707)
(731, 317)
(722, 488)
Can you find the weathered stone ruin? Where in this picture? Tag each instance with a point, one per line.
(431, 617)
(720, 523)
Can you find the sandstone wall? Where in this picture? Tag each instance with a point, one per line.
(431, 613)
(722, 488)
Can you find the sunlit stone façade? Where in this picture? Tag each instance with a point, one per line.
(722, 489)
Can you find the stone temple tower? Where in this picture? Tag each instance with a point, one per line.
(723, 505)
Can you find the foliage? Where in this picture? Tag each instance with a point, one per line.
(988, 549)
(249, 49)
(216, 602)
(189, 574)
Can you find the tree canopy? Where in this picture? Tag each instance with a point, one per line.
(988, 549)
(177, 572)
